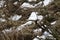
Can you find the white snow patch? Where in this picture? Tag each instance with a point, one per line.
(24, 25)
(37, 30)
(45, 25)
(28, 23)
(2, 3)
(41, 37)
(15, 17)
(40, 17)
(32, 0)
(49, 30)
(47, 34)
(15, 3)
(27, 5)
(50, 35)
(53, 23)
(7, 30)
(35, 39)
(42, 27)
(2, 20)
(33, 16)
(38, 4)
(46, 2)
(20, 27)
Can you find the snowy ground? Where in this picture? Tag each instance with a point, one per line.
(27, 5)
(33, 17)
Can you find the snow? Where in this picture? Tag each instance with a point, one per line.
(40, 17)
(49, 30)
(50, 35)
(28, 23)
(31, 0)
(15, 17)
(15, 3)
(19, 28)
(23, 25)
(27, 5)
(38, 4)
(2, 3)
(46, 34)
(41, 37)
(33, 16)
(7, 30)
(36, 30)
(35, 39)
(53, 23)
(45, 25)
(46, 2)
(2, 20)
